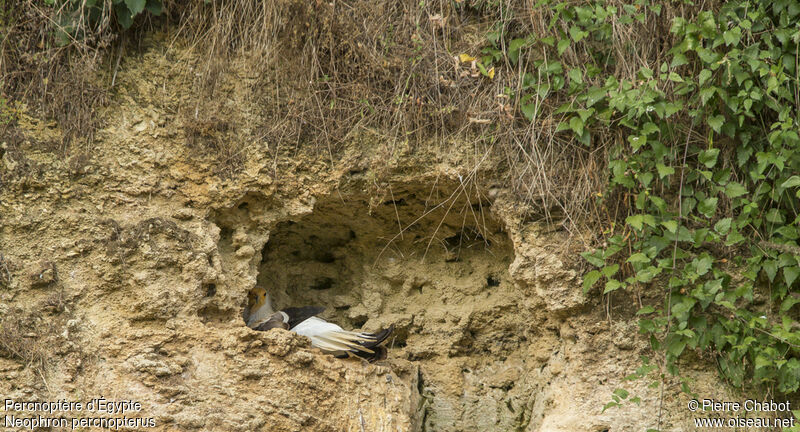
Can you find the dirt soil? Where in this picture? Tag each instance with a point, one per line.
(126, 271)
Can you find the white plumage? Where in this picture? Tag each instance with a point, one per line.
(324, 335)
(330, 337)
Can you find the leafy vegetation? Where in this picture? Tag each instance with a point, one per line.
(76, 17)
(694, 109)
(50, 55)
(703, 172)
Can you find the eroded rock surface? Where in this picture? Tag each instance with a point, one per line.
(127, 278)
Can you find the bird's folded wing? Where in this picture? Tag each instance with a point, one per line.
(300, 314)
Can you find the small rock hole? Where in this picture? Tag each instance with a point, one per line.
(325, 257)
(322, 284)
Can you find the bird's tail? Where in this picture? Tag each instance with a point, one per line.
(345, 343)
(373, 344)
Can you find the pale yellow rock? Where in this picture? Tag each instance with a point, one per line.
(156, 247)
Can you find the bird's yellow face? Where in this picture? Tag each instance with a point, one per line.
(256, 298)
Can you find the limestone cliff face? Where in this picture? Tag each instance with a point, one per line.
(125, 272)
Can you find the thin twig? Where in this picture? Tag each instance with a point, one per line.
(674, 267)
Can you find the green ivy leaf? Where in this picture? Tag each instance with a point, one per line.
(789, 302)
(650, 128)
(723, 226)
(788, 232)
(595, 258)
(577, 34)
(528, 110)
(708, 157)
(676, 346)
(637, 141)
(638, 257)
(716, 122)
(154, 7)
(646, 310)
(594, 95)
(636, 221)
(135, 6)
(703, 265)
(733, 238)
(513, 49)
(678, 60)
(576, 124)
(732, 36)
(770, 268)
(674, 77)
(774, 215)
(786, 259)
(707, 207)
(790, 274)
(123, 15)
(590, 279)
(664, 170)
(562, 46)
(704, 75)
(646, 178)
(612, 285)
(622, 393)
(576, 75)
(762, 362)
(734, 189)
(609, 405)
(792, 181)
(611, 270)
(647, 274)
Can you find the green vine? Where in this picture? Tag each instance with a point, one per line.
(708, 163)
(76, 18)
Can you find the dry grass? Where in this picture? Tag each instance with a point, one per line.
(22, 339)
(210, 134)
(55, 80)
(390, 67)
(328, 70)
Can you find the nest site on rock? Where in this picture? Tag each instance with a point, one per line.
(428, 259)
(373, 264)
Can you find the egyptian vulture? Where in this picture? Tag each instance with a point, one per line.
(328, 337)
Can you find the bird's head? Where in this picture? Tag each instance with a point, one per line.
(256, 298)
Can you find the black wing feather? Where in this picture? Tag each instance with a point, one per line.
(300, 314)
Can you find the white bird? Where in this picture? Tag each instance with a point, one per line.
(324, 335)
